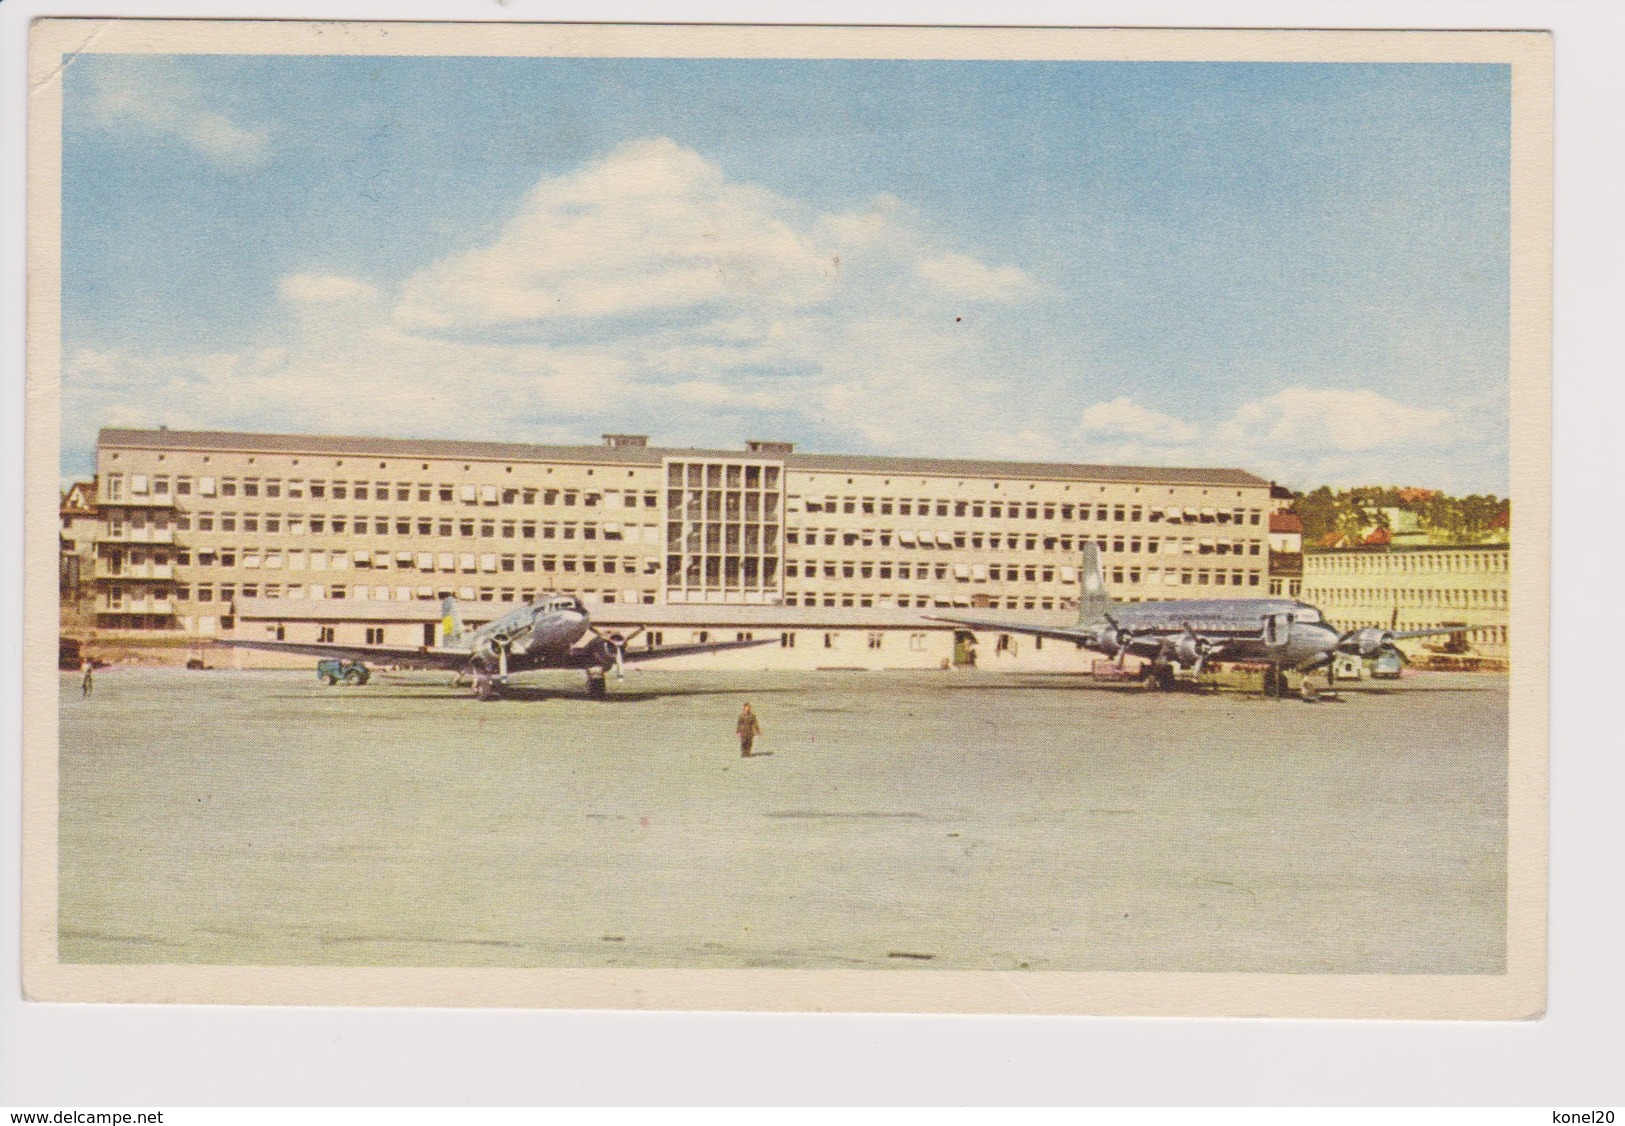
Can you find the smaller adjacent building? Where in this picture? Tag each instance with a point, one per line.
(1417, 587)
(80, 522)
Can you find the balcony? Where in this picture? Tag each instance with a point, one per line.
(135, 535)
(144, 501)
(140, 606)
(162, 571)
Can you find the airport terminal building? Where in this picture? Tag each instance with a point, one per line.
(356, 540)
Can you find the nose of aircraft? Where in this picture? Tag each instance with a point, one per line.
(555, 629)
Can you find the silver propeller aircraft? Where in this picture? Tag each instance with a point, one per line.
(539, 635)
(1182, 636)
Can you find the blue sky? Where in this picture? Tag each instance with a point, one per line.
(1301, 269)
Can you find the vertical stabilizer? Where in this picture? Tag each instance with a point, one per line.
(451, 622)
(1093, 601)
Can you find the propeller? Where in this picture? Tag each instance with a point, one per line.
(616, 643)
(1123, 638)
(1371, 642)
(1199, 645)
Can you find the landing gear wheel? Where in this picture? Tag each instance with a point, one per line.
(488, 689)
(597, 687)
(1159, 679)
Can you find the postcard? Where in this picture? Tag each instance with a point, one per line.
(788, 518)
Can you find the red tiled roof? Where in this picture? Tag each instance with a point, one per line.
(1285, 522)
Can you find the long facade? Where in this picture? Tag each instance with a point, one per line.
(194, 523)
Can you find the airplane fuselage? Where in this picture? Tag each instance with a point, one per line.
(531, 636)
(1279, 631)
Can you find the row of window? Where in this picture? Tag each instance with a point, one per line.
(1016, 541)
(120, 597)
(1412, 596)
(117, 489)
(424, 561)
(1418, 562)
(1025, 510)
(924, 601)
(722, 475)
(1120, 576)
(275, 523)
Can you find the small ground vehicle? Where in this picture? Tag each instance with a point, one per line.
(1386, 665)
(333, 670)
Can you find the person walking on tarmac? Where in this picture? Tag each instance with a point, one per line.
(748, 728)
(88, 683)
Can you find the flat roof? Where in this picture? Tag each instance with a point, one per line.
(1404, 548)
(245, 442)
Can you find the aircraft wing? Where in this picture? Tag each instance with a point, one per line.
(1405, 634)
(1086, 638)
(380, 654)
(637, 656)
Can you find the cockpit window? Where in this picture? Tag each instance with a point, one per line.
(1307, 613)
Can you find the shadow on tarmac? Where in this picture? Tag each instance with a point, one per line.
(1136, 689)
(526, 693)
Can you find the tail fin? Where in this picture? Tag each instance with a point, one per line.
(451, 622)
(1093, 601)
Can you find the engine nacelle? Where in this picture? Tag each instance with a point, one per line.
(1187, 650)
(1113, 638)
(1369, 642)
(603, 652)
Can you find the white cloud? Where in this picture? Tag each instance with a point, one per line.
(654, 231)
(649, 292)
(1309, 436)
(1345, 420)
(325, 288)
(650, 228)
(161, 101)
(959, 275)
(1124, 418)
